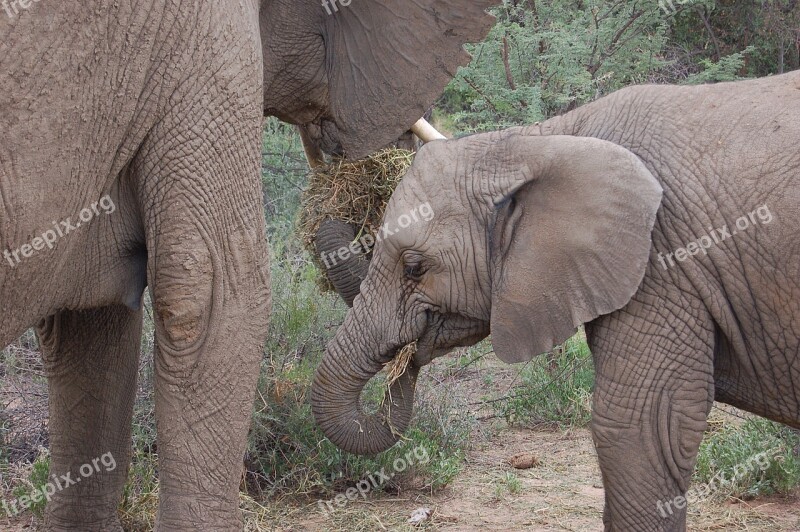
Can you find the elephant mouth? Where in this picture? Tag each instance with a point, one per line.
(448, 332)
(323, 134)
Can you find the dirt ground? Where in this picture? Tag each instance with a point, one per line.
(564, 492)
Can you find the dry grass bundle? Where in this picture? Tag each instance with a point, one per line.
(395, 369)
(354, 192)
(399, 364)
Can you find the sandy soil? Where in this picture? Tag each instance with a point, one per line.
(563, 492)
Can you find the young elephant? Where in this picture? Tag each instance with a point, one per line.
(665, 218)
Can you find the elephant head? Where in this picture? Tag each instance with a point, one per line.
(355, 75)
(531, 237)
(346, 274)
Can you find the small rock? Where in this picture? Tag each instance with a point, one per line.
(419, 516)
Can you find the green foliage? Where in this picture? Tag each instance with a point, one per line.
(707, 32)
(30, 491)
(726, 69)
(4, 458)
(759, 457)
(555, 388)
(508, 484)
(545, 58)
(283, 177)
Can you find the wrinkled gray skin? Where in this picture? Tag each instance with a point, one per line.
(540, 229)
(159, 104)
(346, 275)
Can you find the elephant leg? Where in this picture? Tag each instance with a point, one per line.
(654, 389)
(211, 302)
(91, 360)
(211, 323)
(208, 272)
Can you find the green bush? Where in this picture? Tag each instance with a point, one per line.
(546, 58)
(33, 487)
(759, 457)
(555, 388)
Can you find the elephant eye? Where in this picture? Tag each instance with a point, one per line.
(414, 269)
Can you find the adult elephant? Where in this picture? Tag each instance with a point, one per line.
(663, 217)
(130, 137)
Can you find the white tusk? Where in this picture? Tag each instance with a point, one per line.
(314, 155)
(425, 131)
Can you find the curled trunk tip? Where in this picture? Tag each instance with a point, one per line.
(337, 408)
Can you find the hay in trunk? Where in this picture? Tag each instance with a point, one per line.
(399, 364)
(395, 369)
(354, 192)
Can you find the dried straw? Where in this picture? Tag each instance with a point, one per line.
(354, 192)
(394, 370)
(399, 364)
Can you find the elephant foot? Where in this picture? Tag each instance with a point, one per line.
(197, 512)
(108, 524)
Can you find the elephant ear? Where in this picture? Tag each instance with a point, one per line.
(570, 238)
(388, 61)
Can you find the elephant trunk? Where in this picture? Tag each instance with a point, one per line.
(345, 274)
(346, 368)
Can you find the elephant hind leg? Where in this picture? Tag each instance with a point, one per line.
(91, 360)
(654, 389)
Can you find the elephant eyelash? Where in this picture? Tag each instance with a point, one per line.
(414, 271)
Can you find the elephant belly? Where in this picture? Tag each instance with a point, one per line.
(93, 258)
(763, 381)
